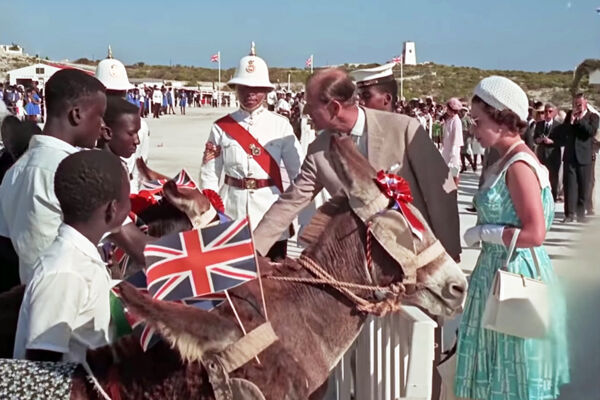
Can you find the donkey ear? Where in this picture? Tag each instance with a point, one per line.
(191, 331)
(355, 173)
(190, 201)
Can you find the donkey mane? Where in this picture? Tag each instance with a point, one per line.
(164, 218)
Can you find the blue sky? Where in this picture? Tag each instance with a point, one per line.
(533, 35)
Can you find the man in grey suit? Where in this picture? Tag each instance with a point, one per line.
(391, 142)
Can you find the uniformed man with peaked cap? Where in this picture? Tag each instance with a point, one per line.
(377, 87)
(245, 149)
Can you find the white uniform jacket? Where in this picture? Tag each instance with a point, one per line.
(275, 134)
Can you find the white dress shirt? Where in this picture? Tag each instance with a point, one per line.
(66, 306)
(29, 210)
(140, 152)
(358, 133)
(276, 135)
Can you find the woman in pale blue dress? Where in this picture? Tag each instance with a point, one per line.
(516, 194)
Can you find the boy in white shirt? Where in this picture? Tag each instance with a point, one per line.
(65, 310)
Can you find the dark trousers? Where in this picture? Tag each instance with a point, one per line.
(156, 110)
(553, 170)
(278, 251)
(589, 202)
(576, 180)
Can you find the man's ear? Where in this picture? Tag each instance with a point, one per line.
(110, 212)
(107, 133)
(75, 116)
(334, 108)
(388, 99)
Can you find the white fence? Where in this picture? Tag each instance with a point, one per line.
(393, 358)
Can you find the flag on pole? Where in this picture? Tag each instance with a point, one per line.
(397, 59)
(214, 58)
(309, 61)
(200, 262)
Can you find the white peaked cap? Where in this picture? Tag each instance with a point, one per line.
(502, 93)
(373, 76)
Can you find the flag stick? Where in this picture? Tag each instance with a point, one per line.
(312, 61)
(402, 76)
(219, 87)
(238, 318)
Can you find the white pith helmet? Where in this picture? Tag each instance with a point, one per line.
(252, 71)
(112, 73)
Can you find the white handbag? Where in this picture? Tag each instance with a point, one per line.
(517, 305)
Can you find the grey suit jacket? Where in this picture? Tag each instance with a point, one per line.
(395, 143)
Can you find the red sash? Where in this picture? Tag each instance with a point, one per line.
(252, 148)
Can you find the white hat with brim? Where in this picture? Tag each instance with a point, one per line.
(113, 75)
(253, 72)
(373, 76)
(501, 93)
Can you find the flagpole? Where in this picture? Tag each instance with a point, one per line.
(312, 61)
(219, 87)
(402, 76)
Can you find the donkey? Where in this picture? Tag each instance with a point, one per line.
(315, 322)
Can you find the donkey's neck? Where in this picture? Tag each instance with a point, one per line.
(324, 318)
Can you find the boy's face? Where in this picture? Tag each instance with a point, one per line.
(91, 124)
(125, 139)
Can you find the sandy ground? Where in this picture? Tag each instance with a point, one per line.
(178, 141)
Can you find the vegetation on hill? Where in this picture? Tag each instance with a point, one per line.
(439, 81)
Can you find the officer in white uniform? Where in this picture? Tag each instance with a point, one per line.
(245, 187)
(113, 75)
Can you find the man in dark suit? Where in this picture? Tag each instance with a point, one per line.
(548, 145)
(578, 132)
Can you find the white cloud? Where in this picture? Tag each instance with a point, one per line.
(569, 4)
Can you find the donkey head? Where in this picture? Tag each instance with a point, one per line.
(440, 284)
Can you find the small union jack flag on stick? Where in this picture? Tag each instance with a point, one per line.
(201, 262)
(397, 59)
(215, 57)
(183, 179)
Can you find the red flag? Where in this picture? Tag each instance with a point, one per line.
(214, 58)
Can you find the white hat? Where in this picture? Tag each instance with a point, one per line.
(112, 74)
(373, 76)
(502, 93)
(252, 71)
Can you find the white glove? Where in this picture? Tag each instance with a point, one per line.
(487, 233)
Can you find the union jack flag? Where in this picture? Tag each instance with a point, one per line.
(200, 262)
(397, 59)
(183, 179)
(308, 62)
(215, 57)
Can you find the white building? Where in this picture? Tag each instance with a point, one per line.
(39, 72)
(11, 49)
(409, 53)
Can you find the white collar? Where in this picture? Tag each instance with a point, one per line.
(359, 125)
(252, 114)
(51, 141)
(75, 238)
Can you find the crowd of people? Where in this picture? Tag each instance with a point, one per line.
(57, 203)
(23, 102)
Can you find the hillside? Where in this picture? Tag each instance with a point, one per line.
(440, 81)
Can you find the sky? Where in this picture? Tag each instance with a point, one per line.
(531, 35)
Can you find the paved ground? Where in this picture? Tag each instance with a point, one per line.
(178, 141)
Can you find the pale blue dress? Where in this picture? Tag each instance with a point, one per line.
(495, 366)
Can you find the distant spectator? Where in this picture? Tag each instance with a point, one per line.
(182, 102)
(170, 109)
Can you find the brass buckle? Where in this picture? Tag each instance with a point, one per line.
(250, 183)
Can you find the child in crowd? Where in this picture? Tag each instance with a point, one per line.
(65, 310)
(30, 213)
(122, 120)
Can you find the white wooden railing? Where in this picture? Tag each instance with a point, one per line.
(393, 358)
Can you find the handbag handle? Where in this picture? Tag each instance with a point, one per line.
(511, 250)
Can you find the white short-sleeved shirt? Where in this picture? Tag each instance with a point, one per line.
(141, 151)
(29, 210)
(66, 305)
